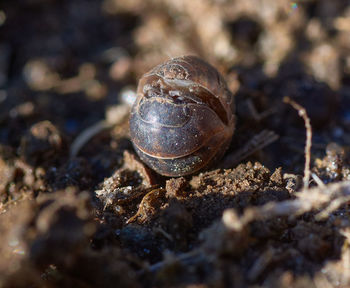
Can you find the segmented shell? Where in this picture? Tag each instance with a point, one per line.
(182, 119)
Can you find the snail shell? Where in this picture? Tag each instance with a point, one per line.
(182, 120)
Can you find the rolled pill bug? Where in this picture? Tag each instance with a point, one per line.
(183, 118)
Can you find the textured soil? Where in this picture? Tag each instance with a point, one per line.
(79, 209)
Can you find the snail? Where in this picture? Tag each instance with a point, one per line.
(182, 120)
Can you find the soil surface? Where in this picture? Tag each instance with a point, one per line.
(79, 209)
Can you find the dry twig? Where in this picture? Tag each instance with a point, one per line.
(316, 198)
(114, 117)
(302, 113)
(258, 142)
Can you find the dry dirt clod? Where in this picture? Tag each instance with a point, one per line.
(176, 187)
(149, 205)
(43, 142)
(335, 165)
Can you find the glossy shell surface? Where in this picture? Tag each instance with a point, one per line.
(182, 120)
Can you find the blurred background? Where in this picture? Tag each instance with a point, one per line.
(68, 59)
(65, 63)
